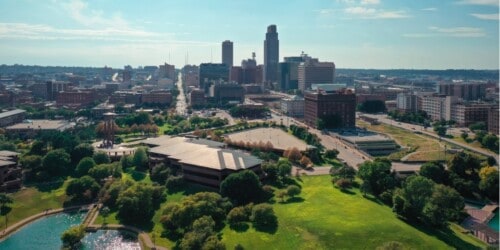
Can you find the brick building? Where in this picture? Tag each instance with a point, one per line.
(157, 97)
(493, 120)
(76, 98)
(197, 97)
(335, 109)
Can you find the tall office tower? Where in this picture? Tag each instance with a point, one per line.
(210, 73)
(227, 53)
(271, 54)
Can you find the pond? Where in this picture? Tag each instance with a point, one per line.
(493, 223)
(45, 233)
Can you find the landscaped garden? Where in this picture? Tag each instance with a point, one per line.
(327, 218)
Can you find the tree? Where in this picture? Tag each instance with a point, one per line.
(345, 172)
(101, 157)
(138, 202)
(305, 161)
(242, 187)
(83, 189)
(213, 243)
(73, 236)
(378, 176)
(284, 168)
(465, 166)
(102, 171)
(56, 162)
(412, 197)
(160, 173)
(239, 215)
(271, 170)
(293, 154)
(80, 151)
(331, 153)
(444, 204)
(4, 209)
(84, 166)
(141, 159)
(126, 161)
(293, 190)
(105, 213)
(33, 162)
(490, 141)
(440, 130)
(477, 126)
(182, 215)
(434, 171)
(263, 217)
(489, 182)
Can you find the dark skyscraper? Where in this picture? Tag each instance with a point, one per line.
(271, 54)
(227, 53)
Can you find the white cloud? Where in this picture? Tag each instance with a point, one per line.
(494, 16)
(460, 31)
(429, 9)
(79, 11)
(370, 1)
(372, 13)
(464, 32)
(479, 2)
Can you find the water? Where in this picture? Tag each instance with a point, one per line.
(494, 221)
(44, 233)
(111, 239)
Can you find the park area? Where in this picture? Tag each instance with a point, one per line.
(415, 147)
(326, 218)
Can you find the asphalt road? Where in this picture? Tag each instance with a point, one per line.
(181, 106)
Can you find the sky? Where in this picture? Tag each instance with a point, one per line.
(375, 34)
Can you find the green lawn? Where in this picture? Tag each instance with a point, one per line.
(36, 199)
(330, 219)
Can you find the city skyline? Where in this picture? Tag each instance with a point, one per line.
(460, 34)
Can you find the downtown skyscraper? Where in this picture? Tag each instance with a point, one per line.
(271, 54)
(227, 53)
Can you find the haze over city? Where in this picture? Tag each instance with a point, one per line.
(354, 34)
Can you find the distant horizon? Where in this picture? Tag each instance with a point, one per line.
(179, 68)
(357, 34)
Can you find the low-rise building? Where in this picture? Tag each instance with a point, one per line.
(201, 161)
(10, 172)
(29, 128)
(406, 102)
(293, 106)
(465, 114)
(11, 117)
(197, 97)
(157, 97)
(227, 92)
(76, 98)
(369, 142)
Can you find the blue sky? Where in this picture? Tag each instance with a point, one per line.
(381, 34)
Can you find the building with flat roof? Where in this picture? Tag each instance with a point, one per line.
(201, 161)
(271, 54)
(227, 92)
(465, 114)
(210, 73)
(437, 107)
(371, 143)
(406, 102)
(313, 71)
(29, 128)
(293, 106)
(197, 97)
(468, 91)
(493, 120)
(161, 97)
(331, 110)
(11, 117)
(10, 172)
(227, 53)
